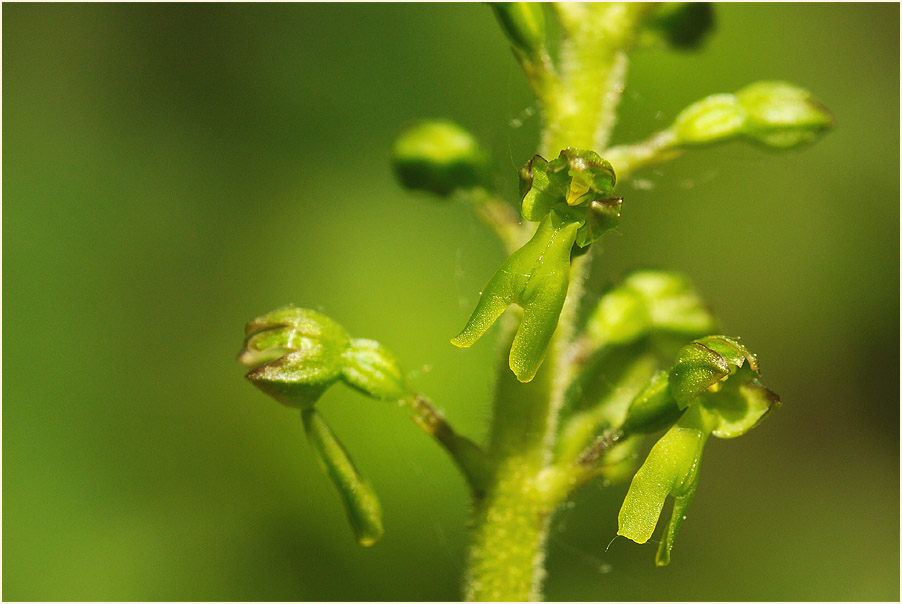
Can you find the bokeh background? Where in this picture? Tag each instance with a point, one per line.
(171, 171)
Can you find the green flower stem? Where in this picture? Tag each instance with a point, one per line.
(580, 104)
(658, 148)
(507, 556)
(599, 398)
(524, 25)
(472, 461)
(567, 407)
(499, 216)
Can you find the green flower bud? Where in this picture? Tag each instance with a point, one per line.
(360, 501)
(702, 364)
(715, 372)
(621, 316)
(371, 368)
(440, 157)
(294, 354)
(523, 24)
(536, 277)
(682, 25)
(713, 119)
(781, 115)
(659, 303)
(672, 303)
(774, 114)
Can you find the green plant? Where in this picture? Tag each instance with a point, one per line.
(587, 380)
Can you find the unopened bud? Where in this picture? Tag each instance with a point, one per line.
(371, 368)
(621, 316)
(660, 303)
(672, 302)
(294, 354)
(712, 119)
(440, 157)
(682, 25)
(774, 114)
(781, 115)
(523, 24)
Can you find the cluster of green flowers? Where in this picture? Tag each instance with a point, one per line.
(645, 362)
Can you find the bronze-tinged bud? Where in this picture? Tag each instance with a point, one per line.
(294, 354)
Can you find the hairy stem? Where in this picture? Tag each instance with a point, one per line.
(507, 556)
(580, 109)
(658, 148)
(499, 216)
(511, 522)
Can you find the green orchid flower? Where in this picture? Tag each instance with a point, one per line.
(571, 199)
(295, 355)
(711, 389)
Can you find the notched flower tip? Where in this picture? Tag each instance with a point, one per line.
(536, 277)
(671, 469)
(711, 389)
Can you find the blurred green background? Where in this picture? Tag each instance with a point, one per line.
(171, 171)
